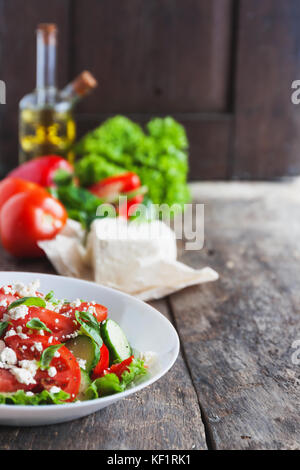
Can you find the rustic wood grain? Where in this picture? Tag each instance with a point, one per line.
(267, 138)
(163, 416)
(155, 55)
(18, 22)
(237, 333)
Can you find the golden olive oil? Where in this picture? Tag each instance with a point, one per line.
(46, 132)
(46, 123)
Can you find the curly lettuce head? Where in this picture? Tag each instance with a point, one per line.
(159, 157)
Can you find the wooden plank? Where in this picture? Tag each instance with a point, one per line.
(156, 55)
(237, 333)
(267, 137)
(18, 21)
(163, 416)
(209, 134)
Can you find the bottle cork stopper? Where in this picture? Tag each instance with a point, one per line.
(48, 31)
(84, 83)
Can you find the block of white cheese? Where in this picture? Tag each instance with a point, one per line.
(139, 258)
(123, 254)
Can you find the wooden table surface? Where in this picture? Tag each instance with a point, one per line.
(234, 385)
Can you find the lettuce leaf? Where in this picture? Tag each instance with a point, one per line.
(136, 371)
(159, 156)
(110, 384)
(44, 398)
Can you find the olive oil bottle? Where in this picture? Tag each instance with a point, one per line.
(46, 122)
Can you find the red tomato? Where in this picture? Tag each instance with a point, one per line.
(68, 374)
(103, 362)
(124, 209)
(68, 371)
(100, 310)
(42, 170)
(8, 383)
(11, 186)
(110, 188)
(24, 348)
(120, 368)
(59, 325)
(8, 299)
(27, 218)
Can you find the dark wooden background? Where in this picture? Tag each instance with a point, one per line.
(224, 68)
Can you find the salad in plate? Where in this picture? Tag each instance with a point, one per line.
(55, 351)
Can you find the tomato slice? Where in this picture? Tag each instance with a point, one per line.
(110, 187)
(100, 312)
(5, 299)
(9, 384)
(126, 210)
(59, 325)
(103, 362)
(67, 376)
(118, 369)
(24, 347)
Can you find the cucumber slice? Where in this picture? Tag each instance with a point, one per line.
(115, 340)
(84, 348)
(84, 385)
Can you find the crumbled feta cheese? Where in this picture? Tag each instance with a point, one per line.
(56, 354)
(42, 333)
(20, 333)
(82, 363)
(54, 389)
(38, 346)
(2, 345)
(50, 339)
(8, 290)
(71, 335)
(3, 303)
(22, 375)
(29, 394)
(26, 291)
(75, 303)
(10, 333)
(52, 372)
(31, 366)
(149, 358)
(18, 312)
(8, 356)
(91, 310)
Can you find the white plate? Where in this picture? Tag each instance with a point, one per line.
(145, 327)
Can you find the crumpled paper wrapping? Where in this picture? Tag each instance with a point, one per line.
(139, 259)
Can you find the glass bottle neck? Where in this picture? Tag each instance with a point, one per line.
(46, 65)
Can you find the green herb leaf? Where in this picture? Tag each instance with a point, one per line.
(48, 355)
(50, 296)
(37, 324)
(89, 326)
(62, 177)
(3, 327)
(29, 302)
